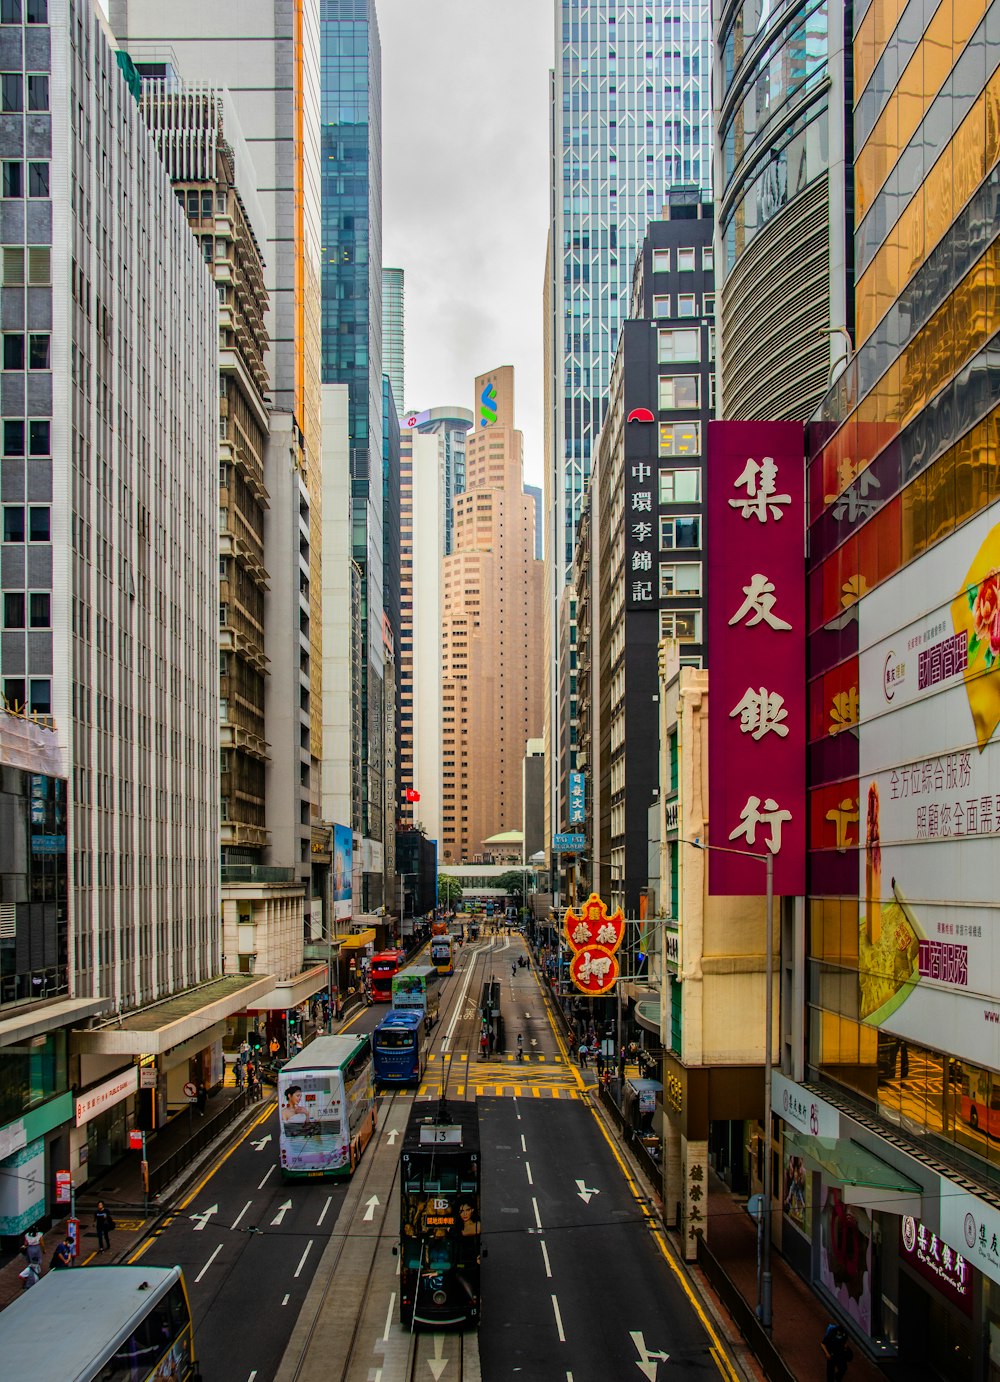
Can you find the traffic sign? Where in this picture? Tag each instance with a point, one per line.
(565, 843)
(191, 1090)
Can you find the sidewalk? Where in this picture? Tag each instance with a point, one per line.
(800, 1317)
(120, 1188)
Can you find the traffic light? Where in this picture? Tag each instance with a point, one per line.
(256, 1040)
(293, 1020)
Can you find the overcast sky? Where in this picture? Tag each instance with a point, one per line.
(465, 177)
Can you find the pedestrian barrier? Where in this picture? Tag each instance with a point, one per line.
(161, 1176)
(743, 1317)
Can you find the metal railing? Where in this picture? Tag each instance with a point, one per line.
(743, 1316)
(166, 1171)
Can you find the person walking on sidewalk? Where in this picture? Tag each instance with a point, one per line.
(838, 1351)
(34, 1246)
(520, 1046)
(103, 1223)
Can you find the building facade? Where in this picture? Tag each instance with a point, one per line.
(630, 118)
(393, 331)
(491, 690)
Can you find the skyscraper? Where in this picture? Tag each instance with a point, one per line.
(491, 633)
(393, 333)
(630, 118)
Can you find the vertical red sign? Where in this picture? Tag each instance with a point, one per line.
(756, 646)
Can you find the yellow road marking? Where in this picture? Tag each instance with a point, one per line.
(717, 1350)
(265, 1113)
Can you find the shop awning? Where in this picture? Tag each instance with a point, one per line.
(158, 1028)
(289, 993)
(867, 1180)
(36, 1019)
(357, 940)
(647, 1014)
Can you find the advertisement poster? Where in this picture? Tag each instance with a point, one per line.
(311, 1118)
(756, 629)
(343, 855)
(796, 1196)
(929, 799)
(845, 1260)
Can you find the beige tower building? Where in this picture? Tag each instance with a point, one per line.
(492, 673)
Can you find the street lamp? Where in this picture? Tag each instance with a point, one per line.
(764, 1273)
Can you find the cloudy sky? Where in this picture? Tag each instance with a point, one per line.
(466, 193)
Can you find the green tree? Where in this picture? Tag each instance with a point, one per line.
(450, 890)
(512, 883)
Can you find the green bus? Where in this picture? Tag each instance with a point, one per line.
(418, 988)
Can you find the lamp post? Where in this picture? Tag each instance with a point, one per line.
(764, 1271)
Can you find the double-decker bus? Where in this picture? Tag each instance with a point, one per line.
(400, 1043)
(439, 1228)
(417, 988)
(326, 1107)
(441, 954)
(105, 1322)
(384, 966)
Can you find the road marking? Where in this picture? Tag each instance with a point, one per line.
(241, 1213)
(545, 1254)
(202, 1219)
(208, 1264)
(370, 1207)
(261, 1142)
(329, 1202)
(555, 1307)
(439, 1362)
(270, 1172)
(252, 1375)
(534, 1205)
(391, 1136)
(523, 1147)
(282, 1211)
(585, 1191)
(388, 1318)
(446, 1039)
(527, 1167)
(286, 1300)
(647, 1361)
(302, 1259)
(717, 1351)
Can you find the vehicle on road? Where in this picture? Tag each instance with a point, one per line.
(105, 1322)
(418, 988)
(326, 1107)
(439, 1209)
(384, 966)
(442, 949)
(400, 1043)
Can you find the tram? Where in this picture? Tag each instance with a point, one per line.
(400, 1043)
(439, 1207)
(442, 948)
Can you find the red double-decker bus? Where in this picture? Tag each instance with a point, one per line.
(384, 965)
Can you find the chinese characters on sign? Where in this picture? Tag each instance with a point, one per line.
(756, 613)
(640, 519)
(577, 799)
(594, 935)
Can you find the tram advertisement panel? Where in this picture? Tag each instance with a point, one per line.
(443, 1225)
(311, 1120)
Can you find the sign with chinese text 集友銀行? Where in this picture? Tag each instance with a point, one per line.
(756, 627)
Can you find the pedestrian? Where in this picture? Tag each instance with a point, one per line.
(582, 1055)
(513, 971)
(238, 1073)
(201, 1098)
(520, 1046)
(483, 1044)
(838, 1351)
(29, 1276)
(63, 1256)
(244, 1050)
(103, 1223)
(34, 1246)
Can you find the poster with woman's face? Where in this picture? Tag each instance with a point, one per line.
(796, 1197)
(846, 1255)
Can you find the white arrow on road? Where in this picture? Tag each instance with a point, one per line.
(438, 1363)
(261, 1143)
(585, 1191)
(534, 1041)
(391, 1137)
(202, 1219)
(370, 1206)
(648, 1359)
(282, 1211)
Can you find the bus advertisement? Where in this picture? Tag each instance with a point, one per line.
(417, 988)
(384, 966)
(326, 1103)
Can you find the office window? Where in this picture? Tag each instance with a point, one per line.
(11, 91)
(13, 437)
(13, 264)
(680, 438)
(687, 305)
(680, 486)
(708, 305)
(708, 260)
(38, 351)
(661, 305)
(13, 692)
(10, 11)
(682, 624)
(13, 609)
(39, 264)
(679, 344)
(679, 391)
(680, 578)
(36, 11)
(680, 530)
(661, 261)
(13, 523)
(40, 696)
(685, 260)
(38, 179)
(40, 609)
(13, 351)
(39, 438)
(39, 525)
(13, 178)
(38, 91)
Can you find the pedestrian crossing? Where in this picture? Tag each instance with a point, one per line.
(507, 1057)
(480, 1089)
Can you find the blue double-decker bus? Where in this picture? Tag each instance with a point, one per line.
(400, 1043)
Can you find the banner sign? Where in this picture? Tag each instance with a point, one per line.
(577, 799)
(756, 640)
(594, 935)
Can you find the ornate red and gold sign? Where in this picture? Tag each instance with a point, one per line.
(594, 935)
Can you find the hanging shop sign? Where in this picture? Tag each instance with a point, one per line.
(594, 935)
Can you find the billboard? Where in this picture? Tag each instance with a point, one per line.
(929, 798)
(343, 856)
(756, 641)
